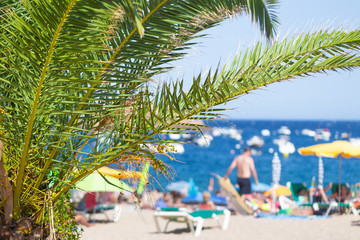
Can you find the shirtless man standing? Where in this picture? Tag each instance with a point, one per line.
(245, 167)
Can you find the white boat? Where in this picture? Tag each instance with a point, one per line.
(216, 132)
(281, 139)
(308, 132)
(265, 132)
(286, 148)
(284, 130)
(179, 148)
(203, 141)
(322, 134)
(256, 142)
(355, 141)
(232, 133)
(345, 135)
(174, 136)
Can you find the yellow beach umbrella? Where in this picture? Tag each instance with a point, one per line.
(280, 190)
(121, 174)
(332, 150)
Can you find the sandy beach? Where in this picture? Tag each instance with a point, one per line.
(135, 224)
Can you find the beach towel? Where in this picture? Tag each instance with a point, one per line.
(281, 216)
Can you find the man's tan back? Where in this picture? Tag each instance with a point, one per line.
(243, 164)
(245, 168)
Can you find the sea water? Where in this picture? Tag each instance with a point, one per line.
(198, 162)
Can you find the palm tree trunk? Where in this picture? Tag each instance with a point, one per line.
(5, 189)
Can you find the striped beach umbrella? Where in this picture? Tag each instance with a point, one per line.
(276, 173)
(276, 169)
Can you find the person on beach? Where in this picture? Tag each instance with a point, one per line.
(207, 203)
(82, 220)
(245, 168)
(345, 194)
(318, 194)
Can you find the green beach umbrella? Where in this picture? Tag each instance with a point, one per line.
(96, 183)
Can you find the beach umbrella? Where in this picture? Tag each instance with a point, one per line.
(276, 169)
(121, 174)
(276, 173)
(332, 150)
(177, 186)
(96, 183)
(193, 189)
(198, 198)
(260, 187)
(278, 190)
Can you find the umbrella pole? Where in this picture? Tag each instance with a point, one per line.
(340, 179)
(273, 195)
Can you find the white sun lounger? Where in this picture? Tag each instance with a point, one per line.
(194, 220)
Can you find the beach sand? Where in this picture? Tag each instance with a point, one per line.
(135, 224)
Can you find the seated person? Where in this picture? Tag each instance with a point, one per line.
(257, 201)
(164, 202)
(318, 194)
(345, 194)
(90, 201)
(302, 196)
(177, 200)
(207, 203)
(292, 207)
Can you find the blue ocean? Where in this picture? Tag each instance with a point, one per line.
(198, 162)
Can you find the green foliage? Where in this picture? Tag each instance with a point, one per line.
(65, 224)
(76, 73)
(59, 215)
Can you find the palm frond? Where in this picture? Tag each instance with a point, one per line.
(257, 67)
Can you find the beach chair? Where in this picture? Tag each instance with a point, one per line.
(194, 220)
(328, 208)
(103, 208)
(334, 204)
(93, 207)
(295, 188)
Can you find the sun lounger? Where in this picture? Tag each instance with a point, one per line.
(101, 208)
(295, 187)
(349, 206)
(194, 220)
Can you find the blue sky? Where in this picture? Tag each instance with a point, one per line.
(332, 96)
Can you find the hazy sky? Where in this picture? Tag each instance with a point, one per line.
(335, 96)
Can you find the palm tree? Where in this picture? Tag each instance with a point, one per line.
(76, 73)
